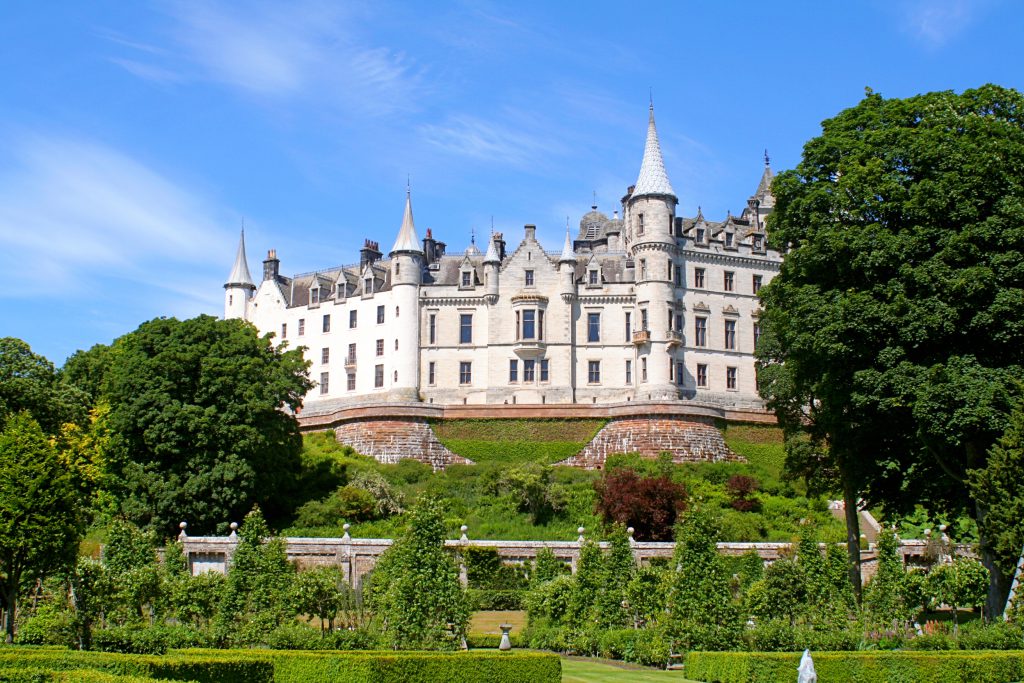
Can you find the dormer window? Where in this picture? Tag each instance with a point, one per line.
(341, 290)
(757, 243)
(368, 285)
(700, 236)
(467, 278)
(314, 295)
(592, 277)
(728, 239)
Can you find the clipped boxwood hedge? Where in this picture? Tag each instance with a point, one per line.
(72, 676)
(858, 667)
(231, 667)
(409, 666)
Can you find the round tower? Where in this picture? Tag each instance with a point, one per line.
(649, 227)
(406, 276)
(239, 288)
(492, 270)
(567, 270)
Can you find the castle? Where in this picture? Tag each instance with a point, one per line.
(647, 307)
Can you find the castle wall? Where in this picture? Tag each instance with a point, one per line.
(392, 439)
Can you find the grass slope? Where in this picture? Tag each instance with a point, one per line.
(516, 441)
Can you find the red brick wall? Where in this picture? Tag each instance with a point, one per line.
(390, 440)
(688, 440)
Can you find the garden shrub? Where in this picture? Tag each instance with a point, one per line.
(863, 667)
(649, 647)
(485, 599)
(153, 640)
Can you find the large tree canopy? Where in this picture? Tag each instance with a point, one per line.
(893, 334)
(198, 417)
(29, 382)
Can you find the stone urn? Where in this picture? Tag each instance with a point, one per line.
(505, 645)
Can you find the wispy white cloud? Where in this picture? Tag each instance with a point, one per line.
(936, 22)
(309, 51)
(74, 214)
(514, 143)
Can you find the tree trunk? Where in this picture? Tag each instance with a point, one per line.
(852, 537)
(11, 600)
(998, 582)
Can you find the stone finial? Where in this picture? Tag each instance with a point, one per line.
(580, 531)
(464, 538)
(345, 527)
(631, 531)
(234, 531)
(182, 526)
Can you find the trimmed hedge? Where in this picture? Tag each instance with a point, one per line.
(230, 667)
(73, 676)
(410, 666)
(490, 599)
(858, 667)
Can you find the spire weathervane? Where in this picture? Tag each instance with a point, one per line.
(766, 160)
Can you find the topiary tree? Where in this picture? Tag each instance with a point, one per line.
(701, 615)
(884, 596)
(619, 565)
(587, 584)
(960, 583)
(546, 567)
(414, 591)
(321, 592)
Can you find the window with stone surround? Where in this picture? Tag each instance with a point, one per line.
(513, 370)
(284, 330)
(351, 381)
(671, 371)
(730, 378)
(680, 372)
(728, 239)
(639, 224)
(351, 354)
(698, 278)
(432, 327)
(757, 333)
(324, 382)
(430, 373)
(327, 323)
(325, 355)
(353, 319)
(302, 326)
(528, 278)
(702, 375)
(729, 280)
(529, 370)
(378, 376)
(380, 347)
(643, 369)
(592, 278)
(629, 327)
(730, 335)
(629, 371)
(700, 331)
(544, 375)
(756, 286)
(593, 327)
(465, 372)
(380, 315)
(465, 328)
(594, 372)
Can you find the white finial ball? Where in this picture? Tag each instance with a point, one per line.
(942, 527)
(233, 525)
(463, 528)
(630, 531)
(346, 526)
(182, 525)
(580, 530)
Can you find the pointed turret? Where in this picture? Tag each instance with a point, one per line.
(492, 252)
(567, 252)
(240, 276)
(653, 179)
(765, 186)
(407, 240)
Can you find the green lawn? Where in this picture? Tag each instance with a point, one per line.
(587, 670)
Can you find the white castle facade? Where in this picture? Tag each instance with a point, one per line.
(649, 306)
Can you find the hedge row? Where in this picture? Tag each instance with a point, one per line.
(858, 667)
(408, 666)
(228, 668)
(72, 676)
(491, 599)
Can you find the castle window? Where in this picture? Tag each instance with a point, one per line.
(351, 381)
(368, 285)
(679, 373)
(529, 278)
(395, 377)
(643, 319)
(284, 330)
(302, 326)
(432, 327)
(513, 370)
(730, 378)
(757, 284)
(730, 334)
(327, 323)
(593, 327)
(643, 369)
(341, 290)
(231, 299)
(640, 224)
(592, 277)
(325, 355)
(543, 369)
(629, 327)
(679, 277)
(729, 280)
(757, 332)
(353, 319)
(700, 236)
(728, 239)
(528, 324)
(380, 315)
(671, 371)
(465, 372)
(643, 269)
(324, 382)
(466, 328)
(467, 278)
(540, 325)
(396, 311)
(314, 295)
(398, 268)
(430, 373)
(670, 270)
(396, 345)
(351, 359)
(629, 372)
(702, 375)
(594, 372)
(529, 368)
(757, 243)
(378, 376)
(698, 278)
(700, 331)
(380, 347)
(679, 322)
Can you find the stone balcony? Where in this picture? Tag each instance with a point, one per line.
(350, 362)
(641, 337)
(674, 338)
(529, 348)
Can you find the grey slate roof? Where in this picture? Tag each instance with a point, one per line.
(653, 177)
(240, 271)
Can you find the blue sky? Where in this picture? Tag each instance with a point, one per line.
(136, 137)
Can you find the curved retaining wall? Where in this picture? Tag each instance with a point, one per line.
(692, 439)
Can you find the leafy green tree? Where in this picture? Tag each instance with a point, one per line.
(529, 484)
(701, 615)
(321, 592)
(960, 583)
(1000, 488)
(414, 590)
(546, 567)
(587, 584)
(786, 594)
(40, 515)
(884, 597)
(201, 411)
(645, 596)
(132, 565)
(259, 584)
(892, 336)
(619, 567)
(29, 382)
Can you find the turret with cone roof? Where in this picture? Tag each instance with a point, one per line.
(407, 239)
(240, 276)
(650, 207)
(653, 179)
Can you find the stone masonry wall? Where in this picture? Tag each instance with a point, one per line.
(390, 440)
(688, 440)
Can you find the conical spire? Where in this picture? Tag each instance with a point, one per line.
(407, 240)
(567, 253)
(492, 252)
(765, 186)
(653, 178)
(240, 271)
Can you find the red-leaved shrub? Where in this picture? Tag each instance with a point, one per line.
(648, 504)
